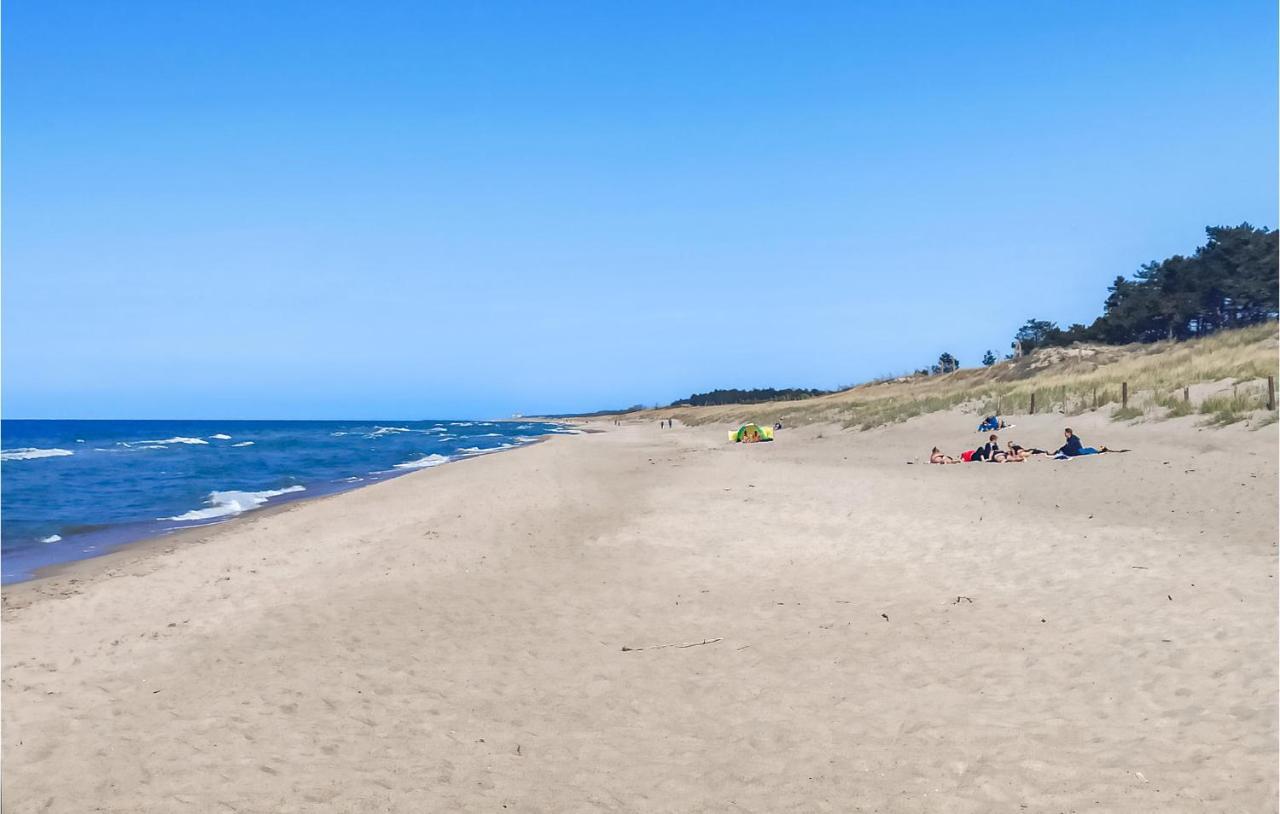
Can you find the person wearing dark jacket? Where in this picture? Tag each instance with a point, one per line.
(1074, 447)
(989, 450)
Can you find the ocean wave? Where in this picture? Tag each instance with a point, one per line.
(52, 538)
(31, 453)
(471, 450)
(175, 440)
(225, 504)
(220, 437)
(387, 431)
(423, 463)
(243, 444)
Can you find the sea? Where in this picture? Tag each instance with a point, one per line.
(70, 490)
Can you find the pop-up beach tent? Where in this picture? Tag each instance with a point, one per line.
(751, 432)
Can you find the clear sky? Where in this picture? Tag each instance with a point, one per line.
(411, 209)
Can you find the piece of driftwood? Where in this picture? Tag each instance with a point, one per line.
(626, 649)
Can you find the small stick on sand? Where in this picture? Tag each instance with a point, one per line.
(626, 649)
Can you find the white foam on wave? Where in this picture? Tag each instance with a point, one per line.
(176, 440)
(423, 463)
(243, 444)
(52, 538)
(388, 430)
(32, 453)
(220, 437)
(225, 504)
(470, 449)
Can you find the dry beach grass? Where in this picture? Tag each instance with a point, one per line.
(1227, 372)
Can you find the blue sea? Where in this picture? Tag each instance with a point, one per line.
(77, 489)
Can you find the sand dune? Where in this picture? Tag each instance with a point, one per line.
(1090, 635)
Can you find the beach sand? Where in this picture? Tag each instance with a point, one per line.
(1092, 635)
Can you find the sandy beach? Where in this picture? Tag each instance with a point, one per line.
(653, 620)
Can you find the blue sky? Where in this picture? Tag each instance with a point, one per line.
(309, 210)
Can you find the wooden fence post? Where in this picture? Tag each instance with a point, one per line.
(1124, 395)
(1186, 394)
(1033, 403)
(1271, 392)
(1095, 397)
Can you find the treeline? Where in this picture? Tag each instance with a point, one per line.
(754, 396)
(1229, 282)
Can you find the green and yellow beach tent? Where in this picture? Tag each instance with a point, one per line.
(751, 432)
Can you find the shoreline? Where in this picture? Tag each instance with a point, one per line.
(811, 624)
(123, 553)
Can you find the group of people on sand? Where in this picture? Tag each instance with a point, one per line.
(991, 452)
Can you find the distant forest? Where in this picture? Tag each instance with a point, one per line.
(1229, 282)
(755, 396)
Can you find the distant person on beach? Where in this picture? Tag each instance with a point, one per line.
(1018, 453)
(1074, 447)
(992, 447)
(987, 451)
(936, 457)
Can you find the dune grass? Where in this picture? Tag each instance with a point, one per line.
(1066, 380)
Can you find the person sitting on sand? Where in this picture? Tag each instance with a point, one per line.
(1074, 447)
(936, 457)
(988, 451)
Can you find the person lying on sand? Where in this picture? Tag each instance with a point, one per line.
(1074, 447)
(936, 457)
(1018, 453)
